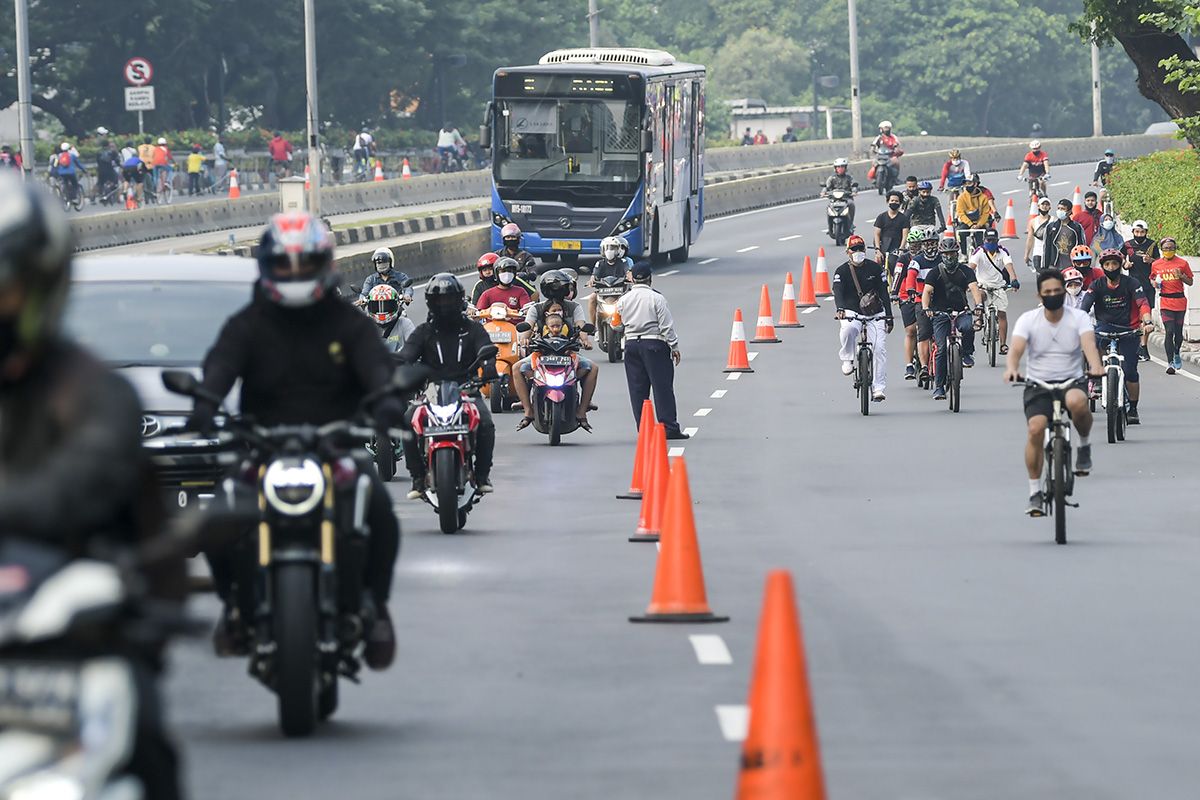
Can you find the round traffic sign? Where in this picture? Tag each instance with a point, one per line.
(138, 71)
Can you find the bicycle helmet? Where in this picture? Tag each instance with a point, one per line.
(510, 234)
(1035, 145)
(35, 257)
(383, 304)
(610, 248)
(955, 154)
(1081, 254)
(1111, 254)
(383, 260)
(487, 265)
(445, 299)
(295, 259)
(1070, 275)
(161, 140)
(507, 266)
(925, 186)
(555, 285)
(947, 246)
(915, 236)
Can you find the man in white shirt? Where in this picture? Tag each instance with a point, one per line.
(1056, 340)
(364, 147)
(651, 350)
(994, 273)
(450, 141)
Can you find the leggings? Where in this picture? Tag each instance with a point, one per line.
(1173, 323)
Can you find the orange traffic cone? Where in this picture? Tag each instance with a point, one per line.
(949, 232)
(378, 170)
(307, 181)
(739, 358)
(650, 517)
(235, 191)
(641, 455)
(764, 331)
(1077, 202)
(787, 306)
(822, 286)
(679, 594)
(808, 295)
(130, 200)
(1010, 222)
(781, 758)
(1033, 207)
(405, 170)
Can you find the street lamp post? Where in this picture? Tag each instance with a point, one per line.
(24, 87)
(310, 70)
(812, 60)
(1097, 121)
(593, 24)
(855, 103)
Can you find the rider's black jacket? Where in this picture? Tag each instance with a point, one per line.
(308, 365)
(926, 211)
(448, 353)
(609, 269)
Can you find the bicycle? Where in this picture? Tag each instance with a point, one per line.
(69, 193)
(1113, 395)
(1038, 186)
(1058, 483)
(991, 328)
(954, 362)
(864, 361)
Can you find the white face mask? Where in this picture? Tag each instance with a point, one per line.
(956, 161)
(296, 294)
(1060, 214)
(507, 278)
(1107, 224)
(1074, 289)
(858, 258)
(611, 253)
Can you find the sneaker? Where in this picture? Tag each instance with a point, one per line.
(1178, 362)
(1131, 417)
(380, 651)
(484, 484)
(847, 367)
(968, 361)
(1083, 460)
(1037, 505)
(878, 396)
(418, 488)
(1170, 369)
(677, 435)
(923, 374)
(939, 393)
(1143, 354)
(910, 373)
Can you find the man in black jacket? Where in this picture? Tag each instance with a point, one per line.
(305, 356)
(1061, 235)
(73, 476)
(859, 277)
(449, 343)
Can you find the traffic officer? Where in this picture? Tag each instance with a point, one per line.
(651, 350)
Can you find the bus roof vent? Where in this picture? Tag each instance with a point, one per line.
(609, 55)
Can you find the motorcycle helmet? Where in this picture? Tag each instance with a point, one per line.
(624, 246)
(35, 258)
(885, 126)
(295, 259)
(383, 304)
(507, 267)
(611, 249)
(383, 260)
(555, 285)
(841, 163)
(510, 234)
(1081, 254)
(487, 265)
(444, 297)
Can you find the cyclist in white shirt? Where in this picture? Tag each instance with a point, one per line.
(1056, 340)
(364, 148)
(449, 139)
(994, 273)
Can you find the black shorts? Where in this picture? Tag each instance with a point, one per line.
(1040, 403)
(924, 324)
(908, 313)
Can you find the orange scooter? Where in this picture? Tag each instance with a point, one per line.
(500, 322)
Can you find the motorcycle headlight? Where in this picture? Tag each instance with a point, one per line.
(609, 308)
(444, 415)
(294, 487)
(555, 379)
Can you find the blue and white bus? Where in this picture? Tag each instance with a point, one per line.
(591, 143)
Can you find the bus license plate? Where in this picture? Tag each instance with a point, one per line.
(566, 244)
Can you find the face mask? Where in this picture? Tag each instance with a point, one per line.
(1110, 159)
(956, 161)
(1037, 152)
(1107, 224)
(1139, 237)
(894, 206)
(1113, 274)
(991, 247)
(1045, 212)
(1054, 302)
(951, 261)
(1074, 289)
(297, 294)
(1060, 214)
(382, 267)
(858, 257)
(1168, 254)
(507, 278)
(973, 189)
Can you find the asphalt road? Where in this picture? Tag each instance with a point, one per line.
(955, 652)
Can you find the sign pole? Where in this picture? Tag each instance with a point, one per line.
(24, 88)
(141, 123)
(314, 130)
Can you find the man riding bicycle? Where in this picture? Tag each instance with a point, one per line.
(974, 210)
(911, 290)
(1119, 305)
(946, 290)
(66, 169)
(1104, 168)
(994, 270)
(955, 172)
(926, 209)
(854, 283)
(1036, 164)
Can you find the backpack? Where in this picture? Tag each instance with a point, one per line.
(64, 159)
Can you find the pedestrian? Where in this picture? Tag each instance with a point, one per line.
(220, 161)
(1062, 234)
(195, 164)
(761, 138)
(789, 135)
(1141, 251)
(747, 139)
(280, 150)
(651, 350)
(1170, 273)
(1089, 217)
(1107, 236)
(1035, 234)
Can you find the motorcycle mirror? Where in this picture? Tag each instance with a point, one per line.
(647, 141)
(485, 137)
(487, 352)
(409, 377)
(588, 328)
(356, 288)
(180, 381)
(407, 283)
(524, 327)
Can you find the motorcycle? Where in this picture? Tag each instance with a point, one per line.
(446, 421)
(386, 458)
(299, 573)
(886, 170)
(610, 329)
(838, 215)
(501, 324)
(554, 391)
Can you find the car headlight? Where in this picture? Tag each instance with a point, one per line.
(294, 487)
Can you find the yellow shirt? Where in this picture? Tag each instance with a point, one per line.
(195, 161)
(146, 154)
(967, 203)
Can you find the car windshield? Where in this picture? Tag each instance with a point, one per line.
(571, 140)
(168, 323)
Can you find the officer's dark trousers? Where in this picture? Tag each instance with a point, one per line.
(648, 366)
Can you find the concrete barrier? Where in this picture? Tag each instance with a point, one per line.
(725, 159)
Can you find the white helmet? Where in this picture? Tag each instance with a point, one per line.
(1036, 144)
(383, 260)
(887, 123)
(841, 162)
(610, 244)
(161, 140)
(65, 146)
(103, 131)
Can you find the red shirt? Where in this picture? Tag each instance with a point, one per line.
(1091, 274)
(1036, 163)
(1089, 221)
(279, 148)
(512, 296)
(1170, 291)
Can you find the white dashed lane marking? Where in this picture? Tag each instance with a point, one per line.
(752, 356)
(748, 249)
(708, 260)
(718, 394)
(668, 273)
(691, 431)
(789, 238)
(674, 452)
(734, 722)
(1013, 191)
(733, 376)
(810, 310)
(710, 649)
(702, 412)
(1060, 183)
(1160, 362)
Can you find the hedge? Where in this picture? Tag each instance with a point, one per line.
(1164, 189)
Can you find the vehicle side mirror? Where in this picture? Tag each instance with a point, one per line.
(485, 137)
(406, 283)
(409, 377)
(180, 381)
(524, 327)
(588, 328)
(356, 288)
(488, 352)
(647, 141)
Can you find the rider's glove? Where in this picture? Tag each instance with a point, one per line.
(1015, 283)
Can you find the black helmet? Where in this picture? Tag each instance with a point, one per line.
(295, 259)
(948, 246)
(444, 297)
(555, 285)
(35, 255)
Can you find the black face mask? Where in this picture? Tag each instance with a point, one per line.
(1113, 274)
(951, 262)
(894, 206)
(1054, 302)
(1140, 239)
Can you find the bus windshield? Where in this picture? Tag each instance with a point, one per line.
(568, 140)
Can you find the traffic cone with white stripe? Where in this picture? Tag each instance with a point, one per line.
(1010, 222)
(307, 181)
(1077, 202)
(130, 200)
(235, 191)
(739, 357)
(1033, 208)
(808, 296)
(787, 306)
(823, 287)
(405, 171)
(764, 331)
(378, 170)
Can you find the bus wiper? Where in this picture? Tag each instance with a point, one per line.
(539, 172)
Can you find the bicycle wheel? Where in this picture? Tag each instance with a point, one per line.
(1058, 468)
(1111, 407)
(954, 377)
(166, 192)
(993, 337)
(865, 379)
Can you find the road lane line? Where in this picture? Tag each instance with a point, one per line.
(1013, 191)
(708, 260)
(691, 431)
(810, 310)
(702, 412)
(789, 238)
(1060, 183)
(734, 722)
(668, 273)
(748, 249)
(752, 356)
(733, 376)
(710, 649)
(1162, 363)
(674, 452)
(718, 394)
(760, 210)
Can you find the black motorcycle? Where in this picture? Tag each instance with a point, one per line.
(610, 331)
(838, 216)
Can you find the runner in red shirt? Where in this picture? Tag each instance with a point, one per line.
(1170, 274)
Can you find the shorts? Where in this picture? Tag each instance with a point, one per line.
(1129, 347)
(924, 325)
(908, 313)
(998, 297)
(1040, 403)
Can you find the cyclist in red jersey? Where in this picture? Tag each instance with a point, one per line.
(1036, 162)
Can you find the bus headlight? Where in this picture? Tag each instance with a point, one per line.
(499, 220)
(627, 225)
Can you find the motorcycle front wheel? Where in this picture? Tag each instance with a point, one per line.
(385, 459)
(445, 481)
(296, 677)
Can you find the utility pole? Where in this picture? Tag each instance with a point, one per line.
(855, 102)
(812, 60)
(24, 88)
(593, 24)
(314, 130)
(1097, 120)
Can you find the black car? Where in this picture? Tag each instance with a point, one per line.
(142, 314)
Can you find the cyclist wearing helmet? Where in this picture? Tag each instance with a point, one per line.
(946, 290)
(66, 167)
(1104, 168)
(908, 316)
(1073, 281)
(385, 309)
(448, 343)
(974, 210)
(926, 209)
(1036, 162)
(385, 274)
(911, 291)
(955, 172)
(507, 290)
(487, 276)
(994, 270)
(1062, 234)
(305, 357)
(1119, 304)
(840, 181)
(555, 286)
(1081, 259)
(510, 237)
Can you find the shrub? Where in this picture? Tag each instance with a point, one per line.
(1164, 189)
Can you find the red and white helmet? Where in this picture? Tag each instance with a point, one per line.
(383, 304)
(511, 231)
(295, 259)
(1072, 274)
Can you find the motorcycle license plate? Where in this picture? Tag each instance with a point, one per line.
(566, 244)
(446, 430)
(610, 292)
(555, 361)
(40, 696)
(501, 336)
